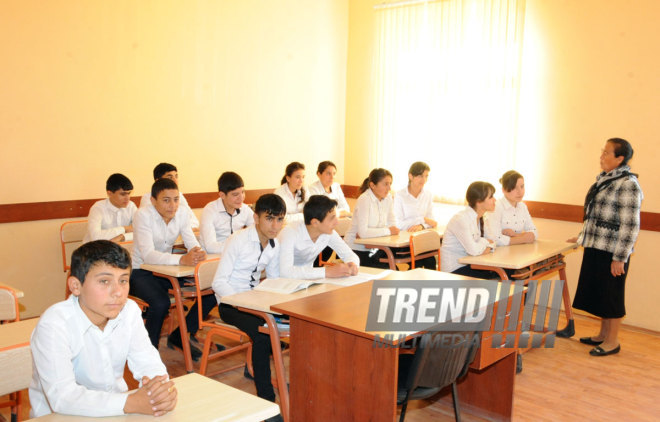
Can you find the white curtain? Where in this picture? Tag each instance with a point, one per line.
(446, 89)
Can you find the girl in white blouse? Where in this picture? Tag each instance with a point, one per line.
(293, 191)
(373, 217)
(413, 206)
(510, 223)
(327, 186)
(464, 234)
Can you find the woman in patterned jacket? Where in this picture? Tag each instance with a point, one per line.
(609, 230)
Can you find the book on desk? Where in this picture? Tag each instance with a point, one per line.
(292, 285)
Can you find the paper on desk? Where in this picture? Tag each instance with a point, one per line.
(292, 285)
(354, 279)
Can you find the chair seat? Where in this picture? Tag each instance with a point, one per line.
(419, 393)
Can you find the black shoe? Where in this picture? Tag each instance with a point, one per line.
(246, 373)
(599, 351)
(590, 341)
(568, 331)
(218, 346)
(174, 341)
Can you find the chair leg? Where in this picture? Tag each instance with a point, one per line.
(454, 396)
(403, 410)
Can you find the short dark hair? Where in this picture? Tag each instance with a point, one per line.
(478, 192)
(161, 185)
(375, 176)
(270, 204)
(162, 168)
(98, 251)
(509, 180)
(229, 181)
(118, 181)
(318, 206)
(324, 165)
(622, 148)
(418, 168)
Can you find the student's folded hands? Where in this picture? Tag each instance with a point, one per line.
(156, 397)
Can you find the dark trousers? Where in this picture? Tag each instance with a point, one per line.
(367, 259)
(466, 270)
(261, 349)
(153, 290)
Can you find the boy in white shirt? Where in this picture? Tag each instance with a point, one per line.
(81, 345)
(169, 171)
(157, 226)
(112, 218)
(222, 217)
(247, 253)
(302, 241)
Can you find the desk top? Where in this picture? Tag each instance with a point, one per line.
(200, 399)
(400, 240)
(174, 270)
(18, 293)
(16, 334)
(520, 256)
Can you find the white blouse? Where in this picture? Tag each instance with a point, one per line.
(372, 217)
(410, 211)
(335, 193)
(506, 216)
(294, 207)
(462, 237)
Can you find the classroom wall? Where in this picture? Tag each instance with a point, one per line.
(91, 88)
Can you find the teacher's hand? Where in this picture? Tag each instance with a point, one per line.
(617, 268)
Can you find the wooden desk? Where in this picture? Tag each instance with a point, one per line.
(15, 360)
(542, 257)
(172, 273)
(337, 374)
(200, 399)
(386, 243)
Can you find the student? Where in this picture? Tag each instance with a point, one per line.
(247, 253)
(112, 218)
(327, 186)
(510, 223)
(225, 215)
(293, 191)
(81, 345)
(464, 234)
(373, 217)
(169, 171)
(157, 226)
(302, 241)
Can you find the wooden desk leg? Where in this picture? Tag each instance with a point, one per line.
(180, 315)
(390, 258)
(569, 330)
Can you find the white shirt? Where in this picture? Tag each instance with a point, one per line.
(79, 369)
(243, 261)
(106, 221)
(217, 225)
(506, 216)
(183, 208)
(335, 193)
(372, 218)
(410, 211)
(298, 251)
(462, 237)
(153, 239)
(294, 208)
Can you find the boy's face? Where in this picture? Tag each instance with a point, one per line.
(172, 175)
(167, 203)
(269, 225)
(329, 222)
(103, 294)
(120, 198)
(233, 199)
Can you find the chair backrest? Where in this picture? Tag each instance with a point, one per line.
(128, 246)
(204, 273)
(71, 236)
(343, 226)
(423, 242)
(8, 305)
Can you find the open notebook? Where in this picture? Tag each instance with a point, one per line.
(290, 285)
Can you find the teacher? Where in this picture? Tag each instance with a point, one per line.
(609, 230)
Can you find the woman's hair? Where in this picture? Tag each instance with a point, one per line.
(290, 169)
(418, 168)
(509, 180)
(375, 176)
(622, 148)
(478, 192)
(324, 165)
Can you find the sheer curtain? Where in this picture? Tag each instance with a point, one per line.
(446, 90)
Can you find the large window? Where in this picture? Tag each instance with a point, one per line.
(446, 90)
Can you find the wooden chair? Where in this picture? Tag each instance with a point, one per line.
(8, 305)
(11, 384)
(71, 236)
(204, 272)
(424, 244)
(341, 229)
(434, 366)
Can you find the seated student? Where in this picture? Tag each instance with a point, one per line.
(464, 234)
(169, 171)
(373, 217)
(247, 253)
(81, 345)
(327, 186)
(112, 218)
(225, 215)
(157, 226)
(510, 223)
(293, 191)
(302, 241)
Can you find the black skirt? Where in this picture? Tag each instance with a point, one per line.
(598, 291)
